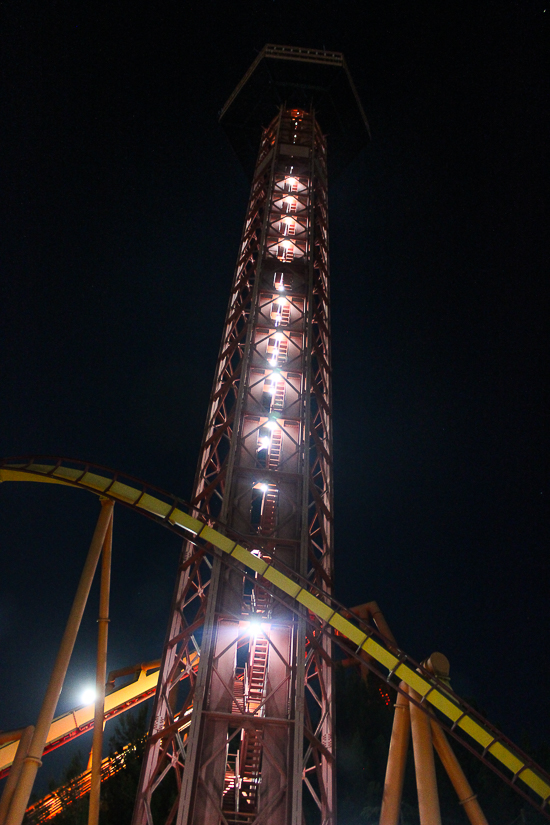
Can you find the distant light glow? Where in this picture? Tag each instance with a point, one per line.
(271, 424)
(88, 696)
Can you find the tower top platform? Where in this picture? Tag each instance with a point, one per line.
(303, 79)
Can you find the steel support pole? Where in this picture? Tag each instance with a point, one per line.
(33, 760)
(15, 772)
(426, 783)
(466, 796)
(101, 675)
(397, 760)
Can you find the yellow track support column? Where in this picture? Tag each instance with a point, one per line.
(426, 783)
(466, 796)
(397, 760)
(15, 772)
(33, 760)
(100, 676)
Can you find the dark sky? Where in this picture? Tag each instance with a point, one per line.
(123, 207)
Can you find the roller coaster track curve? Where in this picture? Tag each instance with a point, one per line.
(358, 637)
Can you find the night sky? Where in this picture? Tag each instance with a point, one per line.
(122, 211)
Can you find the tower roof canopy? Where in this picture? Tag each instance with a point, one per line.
(300, 78)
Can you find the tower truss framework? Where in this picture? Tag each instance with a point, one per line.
(260, 743)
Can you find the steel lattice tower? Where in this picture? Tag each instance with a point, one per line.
(247, 736)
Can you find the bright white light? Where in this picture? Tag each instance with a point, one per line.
(264, 488)
(271, 425)
(88, 696)
(279, 336)
(291, 181)
(281, 301)
(287, 244)
(254, 626)
(264, 442)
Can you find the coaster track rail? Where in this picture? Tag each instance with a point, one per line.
(366, 643)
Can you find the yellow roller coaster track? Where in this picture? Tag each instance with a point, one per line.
(170, 511)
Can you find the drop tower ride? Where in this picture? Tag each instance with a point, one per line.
(243, 722)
